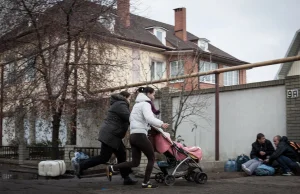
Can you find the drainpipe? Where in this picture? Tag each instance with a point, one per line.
(217, 119)
(1, 104)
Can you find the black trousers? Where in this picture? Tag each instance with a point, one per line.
(139, 143)
(105, 154)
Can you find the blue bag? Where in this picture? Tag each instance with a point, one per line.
(264, 170)
(78, 156)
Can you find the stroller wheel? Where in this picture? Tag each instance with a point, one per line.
(169, 180)
(200, 178)
(189, 177)
(159, 177)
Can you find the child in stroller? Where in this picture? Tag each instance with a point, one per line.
(181, 161)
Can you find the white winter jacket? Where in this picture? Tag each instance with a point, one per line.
(142, 116)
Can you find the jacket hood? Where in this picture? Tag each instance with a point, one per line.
(117, 97)
(284, 139)
(142, 98)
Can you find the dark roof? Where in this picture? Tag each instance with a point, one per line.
(137, 31)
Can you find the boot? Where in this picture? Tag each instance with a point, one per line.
(129, 181)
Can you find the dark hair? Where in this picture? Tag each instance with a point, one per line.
(260, 135)
(278, 137)
(125, 94)
(145, 90)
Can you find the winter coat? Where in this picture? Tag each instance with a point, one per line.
(142, 116)
(116, 123)
(266, 147)
(283, 148)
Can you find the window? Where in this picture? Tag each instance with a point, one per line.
(10, 72)
(176, 69)
(108, 22)
(203, 44)
(159, 35)
(157, 70)
(30, 70)
(159, 32)
(207, 66)
(231, 78)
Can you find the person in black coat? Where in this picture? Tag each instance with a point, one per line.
(112, 131)
(285, 155)
(262, 148)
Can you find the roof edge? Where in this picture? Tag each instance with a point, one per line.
(281, 73)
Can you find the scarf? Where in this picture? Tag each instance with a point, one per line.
(156, 112)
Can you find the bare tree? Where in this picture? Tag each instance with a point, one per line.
(191, 101)
(65, 43)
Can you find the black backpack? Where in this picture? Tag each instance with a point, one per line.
(241, 159)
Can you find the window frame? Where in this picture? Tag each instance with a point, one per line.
(155, 74)
(164, 34)
(212, 76)
(226, 73)
(177, 62)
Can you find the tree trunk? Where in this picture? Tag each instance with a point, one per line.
(55, 135)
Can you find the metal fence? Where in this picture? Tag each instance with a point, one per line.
(9, 152)
(44, 153)
(95, 151)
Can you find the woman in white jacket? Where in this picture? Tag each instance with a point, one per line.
(140, 119)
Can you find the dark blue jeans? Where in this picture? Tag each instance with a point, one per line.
(287, 164)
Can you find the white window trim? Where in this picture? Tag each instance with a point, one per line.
(207, 82)
(164, 34)
(205, 42)
(155, 75)
(180, 80)
(238, 77)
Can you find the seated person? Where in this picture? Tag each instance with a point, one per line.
(261, 149)
(285, 155)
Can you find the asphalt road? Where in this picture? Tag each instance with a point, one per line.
(244, 185)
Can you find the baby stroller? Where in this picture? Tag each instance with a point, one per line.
(180, 161)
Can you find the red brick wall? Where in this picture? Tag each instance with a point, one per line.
(180, 23)
(243, 76)
(191, 66)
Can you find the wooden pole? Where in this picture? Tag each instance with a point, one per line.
(239, 67)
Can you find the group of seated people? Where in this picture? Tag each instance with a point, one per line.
(283, 156)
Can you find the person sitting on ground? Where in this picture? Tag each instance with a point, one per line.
(285, 155)
(112, 131)
(261, 150)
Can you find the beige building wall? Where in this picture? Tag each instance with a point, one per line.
(295, 69)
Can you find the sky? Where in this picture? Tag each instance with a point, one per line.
(250, 30)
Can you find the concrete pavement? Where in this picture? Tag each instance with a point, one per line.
(244, 185)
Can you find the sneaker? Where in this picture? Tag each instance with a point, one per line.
(129, 181)
(149, 186)
(246, 170)
(288, 174)
(77, 170)
(109, 172)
